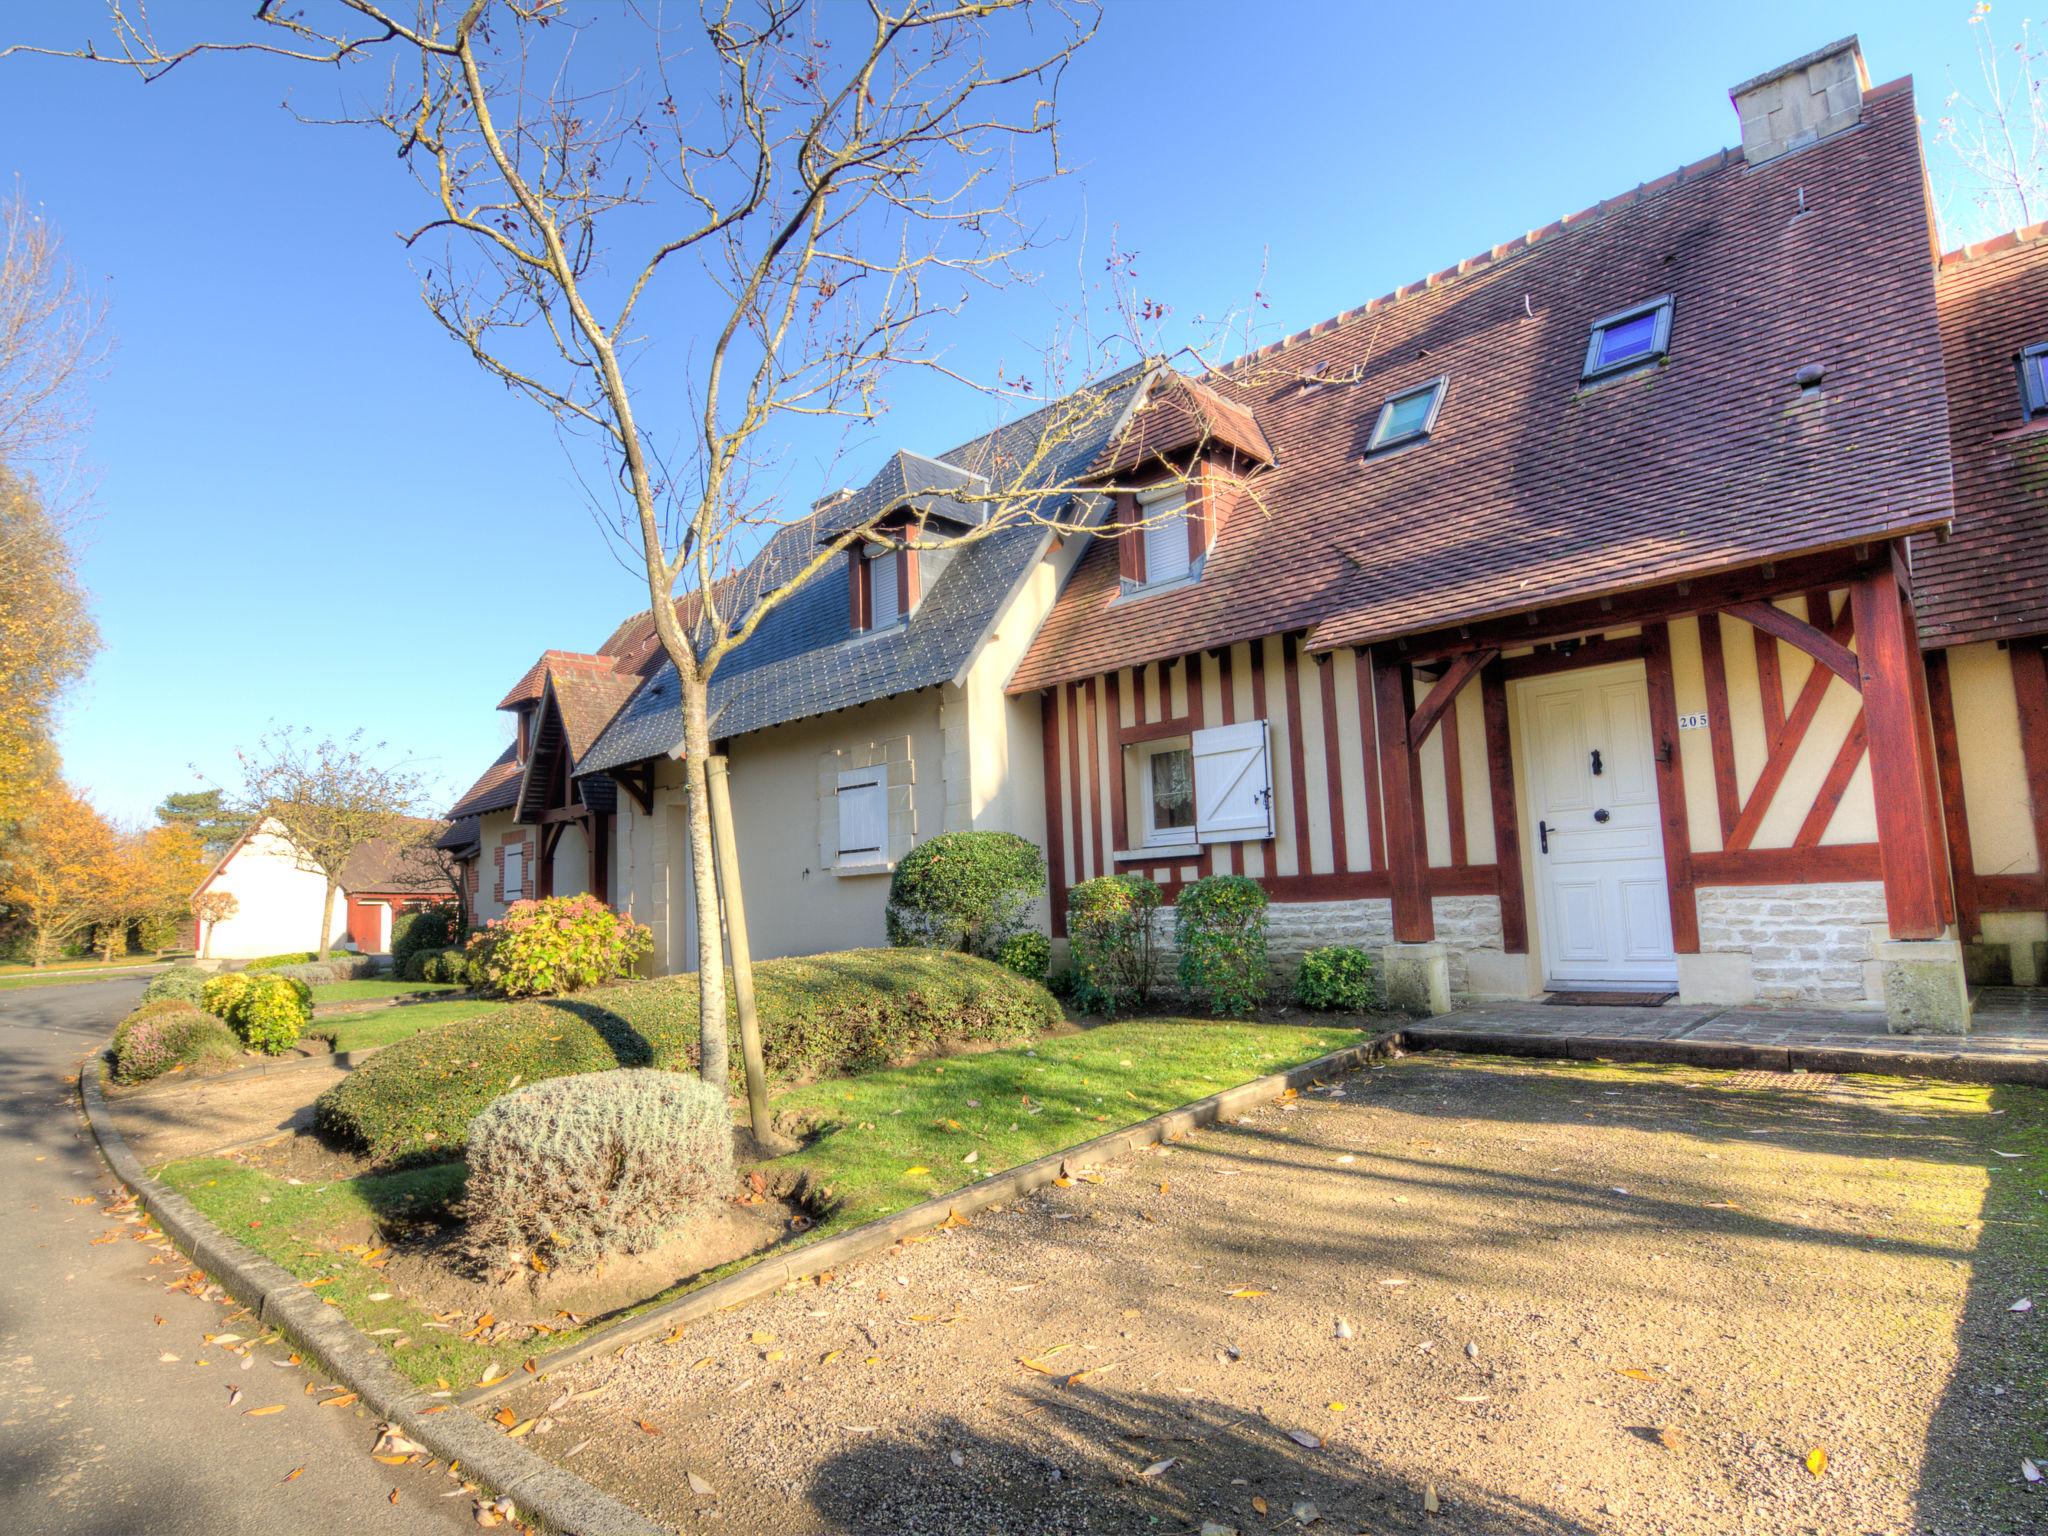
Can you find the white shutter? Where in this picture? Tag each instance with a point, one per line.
(1233, 783)
(884, 607)
(1166, 541)
(515, 874)
(863, 816)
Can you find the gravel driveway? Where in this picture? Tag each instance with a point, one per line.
(1542, 1299)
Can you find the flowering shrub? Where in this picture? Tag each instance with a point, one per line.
(1219, 926)
(166, 1034)
(1338, 977)
(557, 944)
(1109, 929)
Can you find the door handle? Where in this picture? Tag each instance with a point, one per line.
(1543, 836)
(1601, 816)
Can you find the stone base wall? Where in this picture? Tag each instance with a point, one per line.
(1805, 943)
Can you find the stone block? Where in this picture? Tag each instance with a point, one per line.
(1987, 965)
(1726, 980)
(1492, 974)
(1416, 978)
(1924, 989)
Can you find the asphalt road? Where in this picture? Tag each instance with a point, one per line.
(100, 1434)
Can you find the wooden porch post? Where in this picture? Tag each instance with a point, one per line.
(1401, 795)
(1507, 827)
(1906, 834)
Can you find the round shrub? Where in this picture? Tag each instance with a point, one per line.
(220, 995)
(185, 982)
(415, 967)
(556, 944)
(424, 931)
(964, 890)
(169, 1034)
(576, 1169)
(1028, 954)
(1340, 978)
(819, 1014)
(1219, 926)
(272, 1013)
(450, 965)
(1109, 929)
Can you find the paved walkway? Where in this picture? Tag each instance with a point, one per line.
(114, 1409)
(2008, 1039)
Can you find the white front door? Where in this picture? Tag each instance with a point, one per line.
(1603, 909)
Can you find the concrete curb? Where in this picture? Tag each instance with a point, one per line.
(558, 1500)
(1736, 1055)
(773, 1273)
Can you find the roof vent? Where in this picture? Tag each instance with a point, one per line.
(1809, 378)
(1803, 102)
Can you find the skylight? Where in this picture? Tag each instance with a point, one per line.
(2034, 378)
(1407, 417)
(1628, 338)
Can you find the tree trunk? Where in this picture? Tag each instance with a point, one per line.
(713, 1055)
(735, 909)
(205, 939)
(326, 920)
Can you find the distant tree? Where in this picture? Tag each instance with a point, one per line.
(212, 907)
(123, 895)
(1995, 138)
(201, 812)
(176, 861)
(52, 339)
(56, 868)
(46, 632)
(328, 799)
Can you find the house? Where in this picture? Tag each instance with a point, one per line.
(278, 896)
(1650, 603)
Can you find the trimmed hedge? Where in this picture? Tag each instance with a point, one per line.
(321, 973)
(844, 1012)
(423, 931)
(964, 890)
(184, 982)
(273, 962)
(1338, 977)
(1219, 926)
(169, 1033)
(1109, 934)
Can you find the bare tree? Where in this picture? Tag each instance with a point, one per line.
(1995, 137)
(812, 195)
(328, 799)
(52, 338)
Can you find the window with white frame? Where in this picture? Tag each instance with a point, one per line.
(1628, 338)
(1212, 786)
(1163, 537)
(863, 816)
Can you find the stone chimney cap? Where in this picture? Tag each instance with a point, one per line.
(1803, 101)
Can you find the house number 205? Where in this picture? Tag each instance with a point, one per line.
(1692, 722)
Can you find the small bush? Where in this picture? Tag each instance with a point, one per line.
(272, 962)
(1064, 984)
(842, 1012)
(1339, 978)
(969, 891)
(415, 967)
(575, 1169)
(185, 982)
(272, 1013)
(1219, 926)
(450, 965)
(424, 931)
(1028, 954)
(321, 973)
(557, 944)
(222, 993)
(1109, 929)
(166, 1034)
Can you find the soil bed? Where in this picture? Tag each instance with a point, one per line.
(1573, 1299)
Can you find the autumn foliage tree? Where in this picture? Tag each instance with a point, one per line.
(212, 907)
(57, 868)
(46, 638)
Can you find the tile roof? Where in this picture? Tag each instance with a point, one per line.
(1180, 413)
(1532, 489)
(804, 660)
(1989, 579)
(388, 865)
(496, 787)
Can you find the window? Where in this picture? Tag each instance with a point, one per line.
(1166, 790)
(2034, 379)
(1407, 417)
(885, 605)
(863, 816)
(1628, 338)
(1162, 554)
(515, 872)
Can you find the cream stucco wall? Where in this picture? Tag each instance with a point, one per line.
(1994, 771)
(278, 909)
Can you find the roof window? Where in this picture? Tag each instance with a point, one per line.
(1409, 416)
(1628, 338)
(2034, 379)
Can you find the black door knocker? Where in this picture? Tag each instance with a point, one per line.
(1596, 762)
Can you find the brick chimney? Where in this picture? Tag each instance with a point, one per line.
(1802, 102)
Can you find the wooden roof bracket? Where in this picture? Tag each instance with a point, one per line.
(1461, 671)
(1823, 648)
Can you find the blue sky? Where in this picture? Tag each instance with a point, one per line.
(312, 508)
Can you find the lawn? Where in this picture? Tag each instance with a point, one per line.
(884, 1140)
(15, 981)
(381, 1026)
(375, 990)
(10, 969)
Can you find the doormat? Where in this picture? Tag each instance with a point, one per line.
(1608, 999)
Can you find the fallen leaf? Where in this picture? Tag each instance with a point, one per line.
(911, 1173)
(647, 1427)
(257, 1413)
(1245, 1294)
(292, 1476)
(1303, 1438)
(1429, 1500)
(699, 1487)
(1816, 1461)
(339, 1402)
(760, 1336)
(1336, 1407)
(2024, 1304)
(1636, 1373)
(2030, 1470)
(1258, 1504)
(1158, 1467)
(506, 1417)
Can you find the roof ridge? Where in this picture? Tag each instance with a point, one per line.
(1495, 255)
(1993, 245)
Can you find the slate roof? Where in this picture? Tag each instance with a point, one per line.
(1533, 489)
(908, 480)
(1989, 579)
(805, 660)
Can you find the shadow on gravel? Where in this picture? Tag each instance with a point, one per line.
(1075, 1464)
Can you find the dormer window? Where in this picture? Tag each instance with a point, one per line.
(882, 585)
(2034, 379)
(1162, 550)
(1408, 417)
(1628, 338)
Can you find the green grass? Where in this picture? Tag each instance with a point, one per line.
(881, 1126)
(381, 1026)
(370, 991)
(873, 1130)
(16, 982)
(13, 968)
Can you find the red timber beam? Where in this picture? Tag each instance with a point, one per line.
(1670, 770)
(1401, 795)
(1507, 828)
(1462, 670)
(1900, 772)
(1818, 644)
(1779, 762)
(1055, 819)
(1941, 701)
